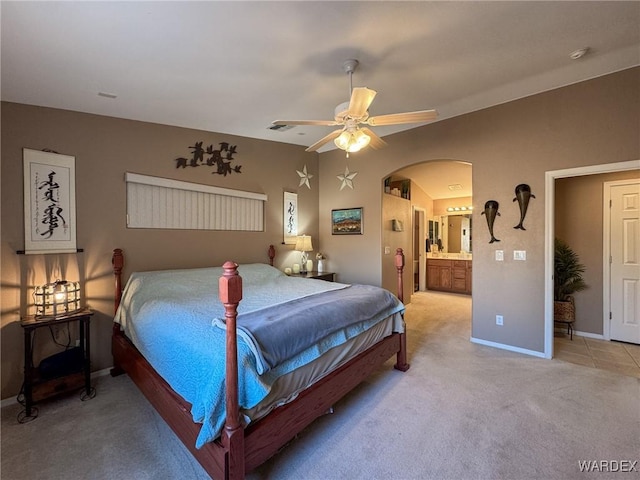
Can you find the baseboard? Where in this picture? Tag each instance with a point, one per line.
(588, 335)
(13, 400)
(511, 348)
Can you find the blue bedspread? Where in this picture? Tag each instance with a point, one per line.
(170, 316)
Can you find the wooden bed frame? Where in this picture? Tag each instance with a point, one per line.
(239, 449)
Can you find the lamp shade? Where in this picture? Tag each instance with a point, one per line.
(352, 140)
(57, 298)
(303, 243)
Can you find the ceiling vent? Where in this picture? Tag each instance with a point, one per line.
(455, 186)
(280, 128)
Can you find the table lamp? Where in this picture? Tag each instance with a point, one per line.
(303, 244)
(57, 298)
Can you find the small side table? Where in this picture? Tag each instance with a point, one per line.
(569, 324)
(328, 276)
(36, 387)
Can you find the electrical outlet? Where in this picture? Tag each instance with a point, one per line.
(499, 320)
(499, 255)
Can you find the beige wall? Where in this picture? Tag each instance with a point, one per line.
(440, 206)
(400, 209)
(105, 148)
(579, 222)
(589, 123)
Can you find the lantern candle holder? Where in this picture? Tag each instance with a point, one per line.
(57, 298)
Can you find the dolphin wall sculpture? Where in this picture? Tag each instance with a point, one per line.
(491, 210)
(523, 194)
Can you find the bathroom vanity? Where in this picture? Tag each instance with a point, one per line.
(447, 274)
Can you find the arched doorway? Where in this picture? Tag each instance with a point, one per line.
(418, 202)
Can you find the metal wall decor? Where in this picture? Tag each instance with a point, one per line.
(219, 158)
(491, 211)
(523, 194)
(304, 177)
(347, 178)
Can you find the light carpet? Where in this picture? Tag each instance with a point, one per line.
(463, 411)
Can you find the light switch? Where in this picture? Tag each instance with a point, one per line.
(499, 255)
(387, 250)
(519, 254)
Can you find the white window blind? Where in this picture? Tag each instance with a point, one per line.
(154, 202)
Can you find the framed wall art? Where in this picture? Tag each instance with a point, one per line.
(346, 221)
(290, 218)
(49, 202)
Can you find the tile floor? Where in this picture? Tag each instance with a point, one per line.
(617, 357)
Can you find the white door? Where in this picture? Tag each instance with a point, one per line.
(625, 261)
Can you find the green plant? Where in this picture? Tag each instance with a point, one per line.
(567, 272)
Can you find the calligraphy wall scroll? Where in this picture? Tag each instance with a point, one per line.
(49, 202)
(290, 218)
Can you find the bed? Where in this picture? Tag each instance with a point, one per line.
(236, 405)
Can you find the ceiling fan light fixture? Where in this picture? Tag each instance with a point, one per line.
(352, 141)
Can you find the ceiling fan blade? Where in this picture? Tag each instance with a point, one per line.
(333, 135)
(361, 98)
(398, 118)
(376, 142)
(330, 123)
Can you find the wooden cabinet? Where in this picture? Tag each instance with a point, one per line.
(438, 274)
(449, 275)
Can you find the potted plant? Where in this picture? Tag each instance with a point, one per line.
(567, 279)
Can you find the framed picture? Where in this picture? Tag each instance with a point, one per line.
(49, 202)
(346, 221)
(290, 218)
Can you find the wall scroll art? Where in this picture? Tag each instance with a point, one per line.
(346, 221)
(290, 218)
(523, 194)
(491, 211)
(219, 158)
(49, 202)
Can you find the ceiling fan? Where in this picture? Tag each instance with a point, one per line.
(354, 120)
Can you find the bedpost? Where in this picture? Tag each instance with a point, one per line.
(400, 269)
(230, 291)
(117, 260)
(401, 357)
(272, 254)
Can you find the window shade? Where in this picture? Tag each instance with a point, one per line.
(154, 202)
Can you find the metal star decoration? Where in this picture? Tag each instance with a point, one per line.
(347, 178)
(304, 177)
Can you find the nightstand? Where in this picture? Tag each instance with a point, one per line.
(74, 369)
(328, 276)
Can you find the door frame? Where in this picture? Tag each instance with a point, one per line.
(549, 229)
(422, 256)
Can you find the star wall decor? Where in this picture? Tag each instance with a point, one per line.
(347, 178)
(304, 177)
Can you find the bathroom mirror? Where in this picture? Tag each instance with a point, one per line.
(453, 231)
